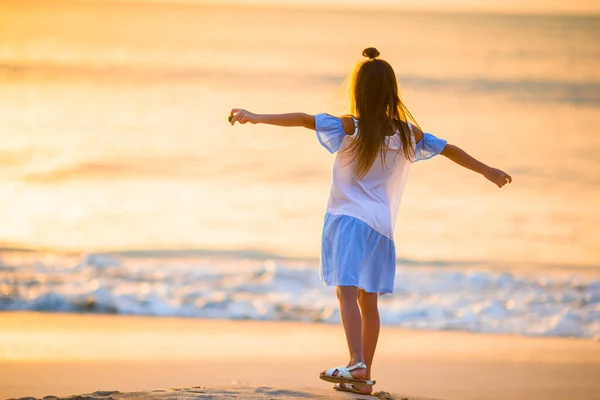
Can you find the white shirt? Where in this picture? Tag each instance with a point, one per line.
(374, 198)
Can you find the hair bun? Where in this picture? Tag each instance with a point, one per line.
(370, 52)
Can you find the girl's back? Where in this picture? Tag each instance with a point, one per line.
(373, 198)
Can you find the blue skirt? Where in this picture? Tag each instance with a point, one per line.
(354, 254)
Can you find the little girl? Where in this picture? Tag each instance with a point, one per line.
(375, 146)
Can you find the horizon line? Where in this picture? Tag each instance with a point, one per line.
(580, 10)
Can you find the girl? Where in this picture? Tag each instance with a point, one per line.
(375, 147)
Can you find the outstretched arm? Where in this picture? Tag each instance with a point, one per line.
(292, 119)
(459, 156)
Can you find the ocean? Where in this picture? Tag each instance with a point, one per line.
(134, 195)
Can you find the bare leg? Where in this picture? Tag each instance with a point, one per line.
(352, 322)
(370, 332)
(370, 326)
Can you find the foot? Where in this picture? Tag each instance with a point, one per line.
(366, 389)
(358, 373)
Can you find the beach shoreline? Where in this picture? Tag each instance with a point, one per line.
(56, 354)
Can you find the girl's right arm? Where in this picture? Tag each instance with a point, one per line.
(291, 119)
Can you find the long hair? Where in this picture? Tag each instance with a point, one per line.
(375, 101)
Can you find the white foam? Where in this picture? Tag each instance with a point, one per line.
(472, 299)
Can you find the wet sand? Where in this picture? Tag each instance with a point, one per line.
(67, 354)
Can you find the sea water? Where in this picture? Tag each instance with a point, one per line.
(114, 137)
(244, 286)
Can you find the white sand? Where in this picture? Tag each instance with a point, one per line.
(66, 354)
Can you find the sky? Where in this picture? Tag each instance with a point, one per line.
(518, 6)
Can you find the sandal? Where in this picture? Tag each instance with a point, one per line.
(344, 375)
(348, 387)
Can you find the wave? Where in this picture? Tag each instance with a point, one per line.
(525, 90)
(250, 286)
(531, 90)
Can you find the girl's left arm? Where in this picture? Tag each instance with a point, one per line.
(291, 119)
(462, 158)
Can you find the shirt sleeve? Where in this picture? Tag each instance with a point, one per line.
(329, 132)
(428, 147)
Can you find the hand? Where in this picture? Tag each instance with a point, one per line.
(242, 116)
(500, 178)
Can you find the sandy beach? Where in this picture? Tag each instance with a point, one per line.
(48, 354)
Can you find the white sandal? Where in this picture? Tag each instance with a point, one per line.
(344, 375)
(348, 387)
